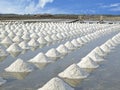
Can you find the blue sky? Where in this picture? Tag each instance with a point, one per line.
(60, 6)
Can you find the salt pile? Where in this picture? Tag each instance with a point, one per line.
(95, 57)
(19, 66)
(2, 81)
(69, 45)
(75, 43)
(7, 42)
(62, 49)
(53, 54)
(56, 84)
(24, 45)
(17, 39)
(84, 39)
(99, 51)
(26, 37)
(73, 75)
(87, 63)
(33, 43)
(14, 49)
(42, 41)
(48, 39)
(80, 41)
(40, 60)
(3, 54)
(105, 48)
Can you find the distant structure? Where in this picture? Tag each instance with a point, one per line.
(80, 18)
(101, 19)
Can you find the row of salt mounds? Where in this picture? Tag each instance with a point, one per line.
(56, 84)
(2, 81)
(40, 60)
(73, 75)
(19, 69)
(14, 49)
(85, 60)
(3, 54)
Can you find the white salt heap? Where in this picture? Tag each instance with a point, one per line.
(19, 66)
(87, 62)
(99, 51)
(73, 72)
(75, 43)
(56, 84)
(24, 45)
(42, 41)
(80, 41)
(53, 53)
(69, 45)
(14, 49)
(48, 39)
(95, 57)
(26, 37)
(33, 43)
(105, 48)
(41, 59)
(2, 81)
(17, 39)
(7, 41)
(62, 49)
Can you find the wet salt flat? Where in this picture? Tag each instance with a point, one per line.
(105, 77)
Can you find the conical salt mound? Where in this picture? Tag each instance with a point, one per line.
(17, 39)
(73, 75)
(53, 54)
(24, 45)
(95, 57)
(69, 45)
(14, 49)
(2, 81)
(73, 72)
(19, 66)
(40, 60)
(111, 42)
(87, 62)
(34, 36)
(42, 41)
(62, 49)
(80, 41)
(54, 37)
(33, 43)
(48, 39)
(84, 39)
(75, 43)
(3, 54)
(99, 51)
(56, 84)
(105, 48)
(7, 42)
(26, 37)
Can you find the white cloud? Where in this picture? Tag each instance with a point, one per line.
(42, 3)
(23, 6)
(111, 7)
